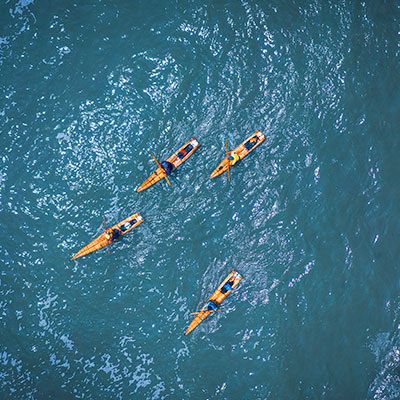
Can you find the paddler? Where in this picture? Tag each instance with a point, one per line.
(251, 143)
(211, 306)
(167, 167)
(112, 234)
(128, 224)
(233, 158)
(227, 287)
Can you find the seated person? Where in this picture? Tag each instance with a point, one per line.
(211, 306)
(233, 158)
(251, 142)
(227, 287)
(128, 225)
(183, 153)
(167, 167)
(113, 234)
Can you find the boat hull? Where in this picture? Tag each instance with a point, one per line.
(217, 297)
(101, 240)
(242, 151)
(178, 158)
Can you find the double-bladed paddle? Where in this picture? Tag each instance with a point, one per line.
(162, 169)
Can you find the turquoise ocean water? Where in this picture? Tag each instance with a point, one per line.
(310, 219)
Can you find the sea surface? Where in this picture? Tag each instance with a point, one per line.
(310, 219)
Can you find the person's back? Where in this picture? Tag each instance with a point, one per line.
(211, 306)
(116, 234)
(251, 143)
(113, 234)
(128, 225)
(226, 288)
(233, 158)
(167, 167)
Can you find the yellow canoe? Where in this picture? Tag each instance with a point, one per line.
(124, 226)
(176, 160)
(242, 150)
(233, 278)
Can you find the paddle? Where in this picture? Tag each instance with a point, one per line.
(226, 146)
(198, 312)
(105, 230)
(165, 174)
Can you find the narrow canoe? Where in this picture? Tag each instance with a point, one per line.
(234, 278)
(101, 241)
(176, 160)
(242, 150)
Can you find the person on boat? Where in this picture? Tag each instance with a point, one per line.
(211, 306)
(227, 287)
(167, 167)
(113, 234)
(251, 143)
(128, 225)
(233, 158)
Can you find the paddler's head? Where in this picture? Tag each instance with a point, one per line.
(109, 234)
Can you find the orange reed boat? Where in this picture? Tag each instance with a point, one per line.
(241, 151)
(176, 160)
(101, 241)
(229, 283)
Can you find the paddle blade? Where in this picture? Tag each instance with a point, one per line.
(167, 180)
(155, 159)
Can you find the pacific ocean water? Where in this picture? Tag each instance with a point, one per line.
(310, 219)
